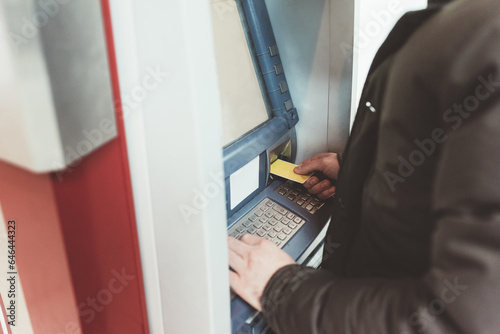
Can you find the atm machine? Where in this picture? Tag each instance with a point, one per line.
(276, 74)
(259, 121)
(200, 154)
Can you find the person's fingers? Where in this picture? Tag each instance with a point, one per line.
(327, 193)
(238, 247)
(236, 261)
(306, 161)
(235, 282)
(316, 157)
(309, 166)
(320, 187)
(320, 156)
(251, 239)
(311, 182)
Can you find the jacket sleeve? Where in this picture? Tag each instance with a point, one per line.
(340, 157)
(460, 293)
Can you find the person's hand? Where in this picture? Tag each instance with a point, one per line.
(328, 164)
(254, 261)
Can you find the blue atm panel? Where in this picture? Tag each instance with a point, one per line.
(276, 209)
(313, 214)
(267, 53)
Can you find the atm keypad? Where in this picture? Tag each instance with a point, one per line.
(275, 225)
(299, 195)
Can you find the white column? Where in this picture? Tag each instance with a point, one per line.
(173, 126)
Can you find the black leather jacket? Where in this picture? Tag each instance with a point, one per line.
(414, 246)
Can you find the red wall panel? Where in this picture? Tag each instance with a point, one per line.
(78, 251)
(98, 225)
(42, 261)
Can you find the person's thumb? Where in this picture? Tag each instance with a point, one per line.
(308, 167)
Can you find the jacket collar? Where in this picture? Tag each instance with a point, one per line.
(401, 32)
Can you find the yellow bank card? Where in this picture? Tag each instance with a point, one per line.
(285, 169)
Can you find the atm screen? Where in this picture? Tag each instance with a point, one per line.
(241, 89)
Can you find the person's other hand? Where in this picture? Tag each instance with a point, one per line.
(254, 261)
(328, 164)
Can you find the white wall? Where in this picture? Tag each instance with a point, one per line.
(310, 35)
(315, 38)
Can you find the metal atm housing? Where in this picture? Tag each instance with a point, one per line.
(274, 138)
